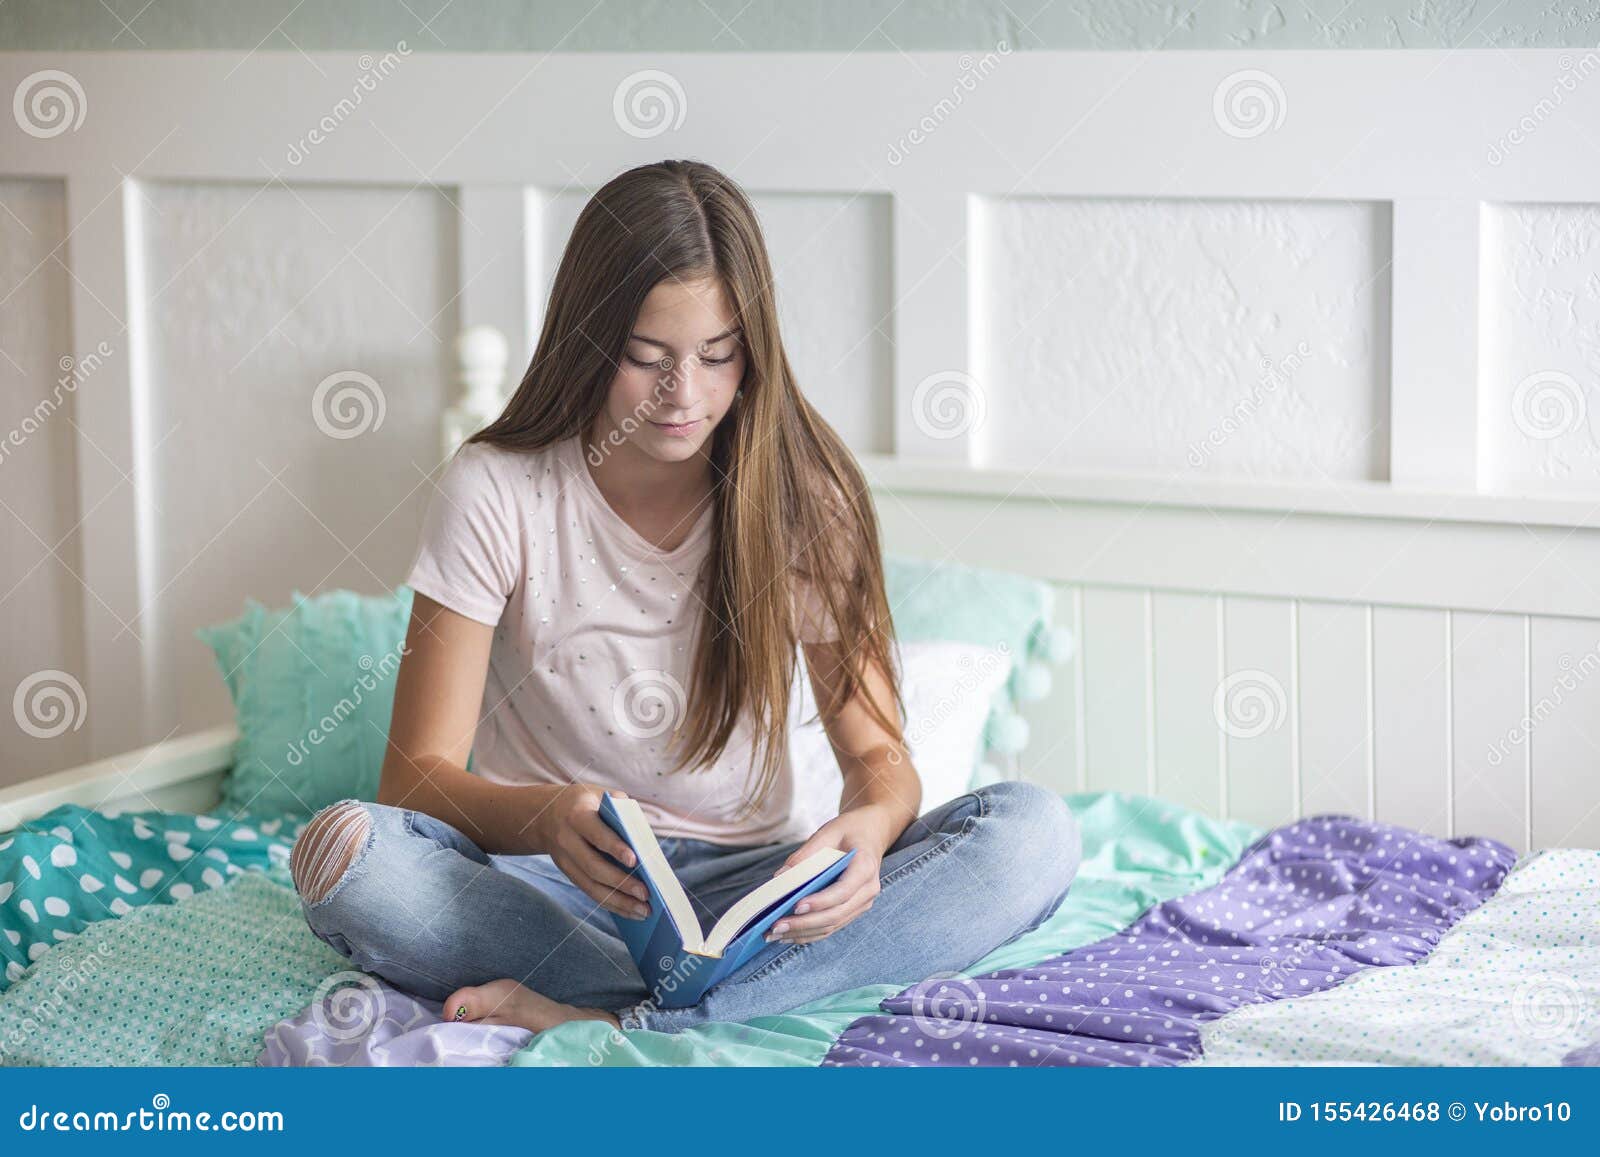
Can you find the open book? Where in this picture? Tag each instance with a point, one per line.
(679, 960)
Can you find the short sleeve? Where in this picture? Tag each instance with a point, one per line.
(813, 623)
(467, 554)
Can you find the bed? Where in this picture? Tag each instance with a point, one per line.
(171, 935)
(1265, 621)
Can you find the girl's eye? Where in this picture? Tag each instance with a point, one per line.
(659, 363)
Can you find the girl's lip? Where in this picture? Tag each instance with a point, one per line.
(677, 428)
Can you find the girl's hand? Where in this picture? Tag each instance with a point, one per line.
(572, 833)
(867, 830)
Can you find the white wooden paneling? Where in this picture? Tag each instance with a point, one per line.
(1488, 744)
(1054, 755)
(1187, 642)
(1116, 686)
(1237, 337)
(1335, 678)
(494, 231)
(1434, 429)
(1254, 705)
(1564, 739)
(41, 601)
(1411, 731)
(1540, 380)
(299, 352)
(116, 443)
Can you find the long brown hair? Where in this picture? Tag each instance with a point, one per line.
(790, 501)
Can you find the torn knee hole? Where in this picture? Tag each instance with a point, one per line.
(327, 848)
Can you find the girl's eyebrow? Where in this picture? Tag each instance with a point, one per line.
(656, 342)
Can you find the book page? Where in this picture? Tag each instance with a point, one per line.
(775, 889)
(679, 910)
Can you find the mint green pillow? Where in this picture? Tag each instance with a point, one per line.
(953, 602)
(313, 692)
(948, 601)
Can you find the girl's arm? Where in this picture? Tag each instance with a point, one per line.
(882, 795)
(438, 694)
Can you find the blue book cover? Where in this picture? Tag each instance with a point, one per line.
(678, 960)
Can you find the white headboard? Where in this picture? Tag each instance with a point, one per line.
(1281, 364)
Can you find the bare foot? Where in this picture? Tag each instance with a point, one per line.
(507, 1002)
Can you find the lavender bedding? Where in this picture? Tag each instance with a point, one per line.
(1306, 907)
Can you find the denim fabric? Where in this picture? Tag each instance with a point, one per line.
(425, 908)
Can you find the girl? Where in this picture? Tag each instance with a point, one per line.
(611, 587)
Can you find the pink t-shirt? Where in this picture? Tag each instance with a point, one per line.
(589, 667)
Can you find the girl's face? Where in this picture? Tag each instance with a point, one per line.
(683, 361)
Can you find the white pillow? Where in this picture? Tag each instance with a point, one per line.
(948, 688)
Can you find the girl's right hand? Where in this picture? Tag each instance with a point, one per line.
(572, 833)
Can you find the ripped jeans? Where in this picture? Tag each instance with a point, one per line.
(425, 908)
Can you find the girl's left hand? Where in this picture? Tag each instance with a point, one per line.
(863, 830)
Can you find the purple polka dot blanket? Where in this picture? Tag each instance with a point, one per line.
(1307, 906)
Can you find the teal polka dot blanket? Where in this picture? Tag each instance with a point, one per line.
(74, 867)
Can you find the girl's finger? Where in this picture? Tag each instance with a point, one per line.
(850, 882)
(594, 829)
(608, 898)
(606, 874)
(793, 925)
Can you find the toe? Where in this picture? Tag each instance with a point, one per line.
(466, 1004)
